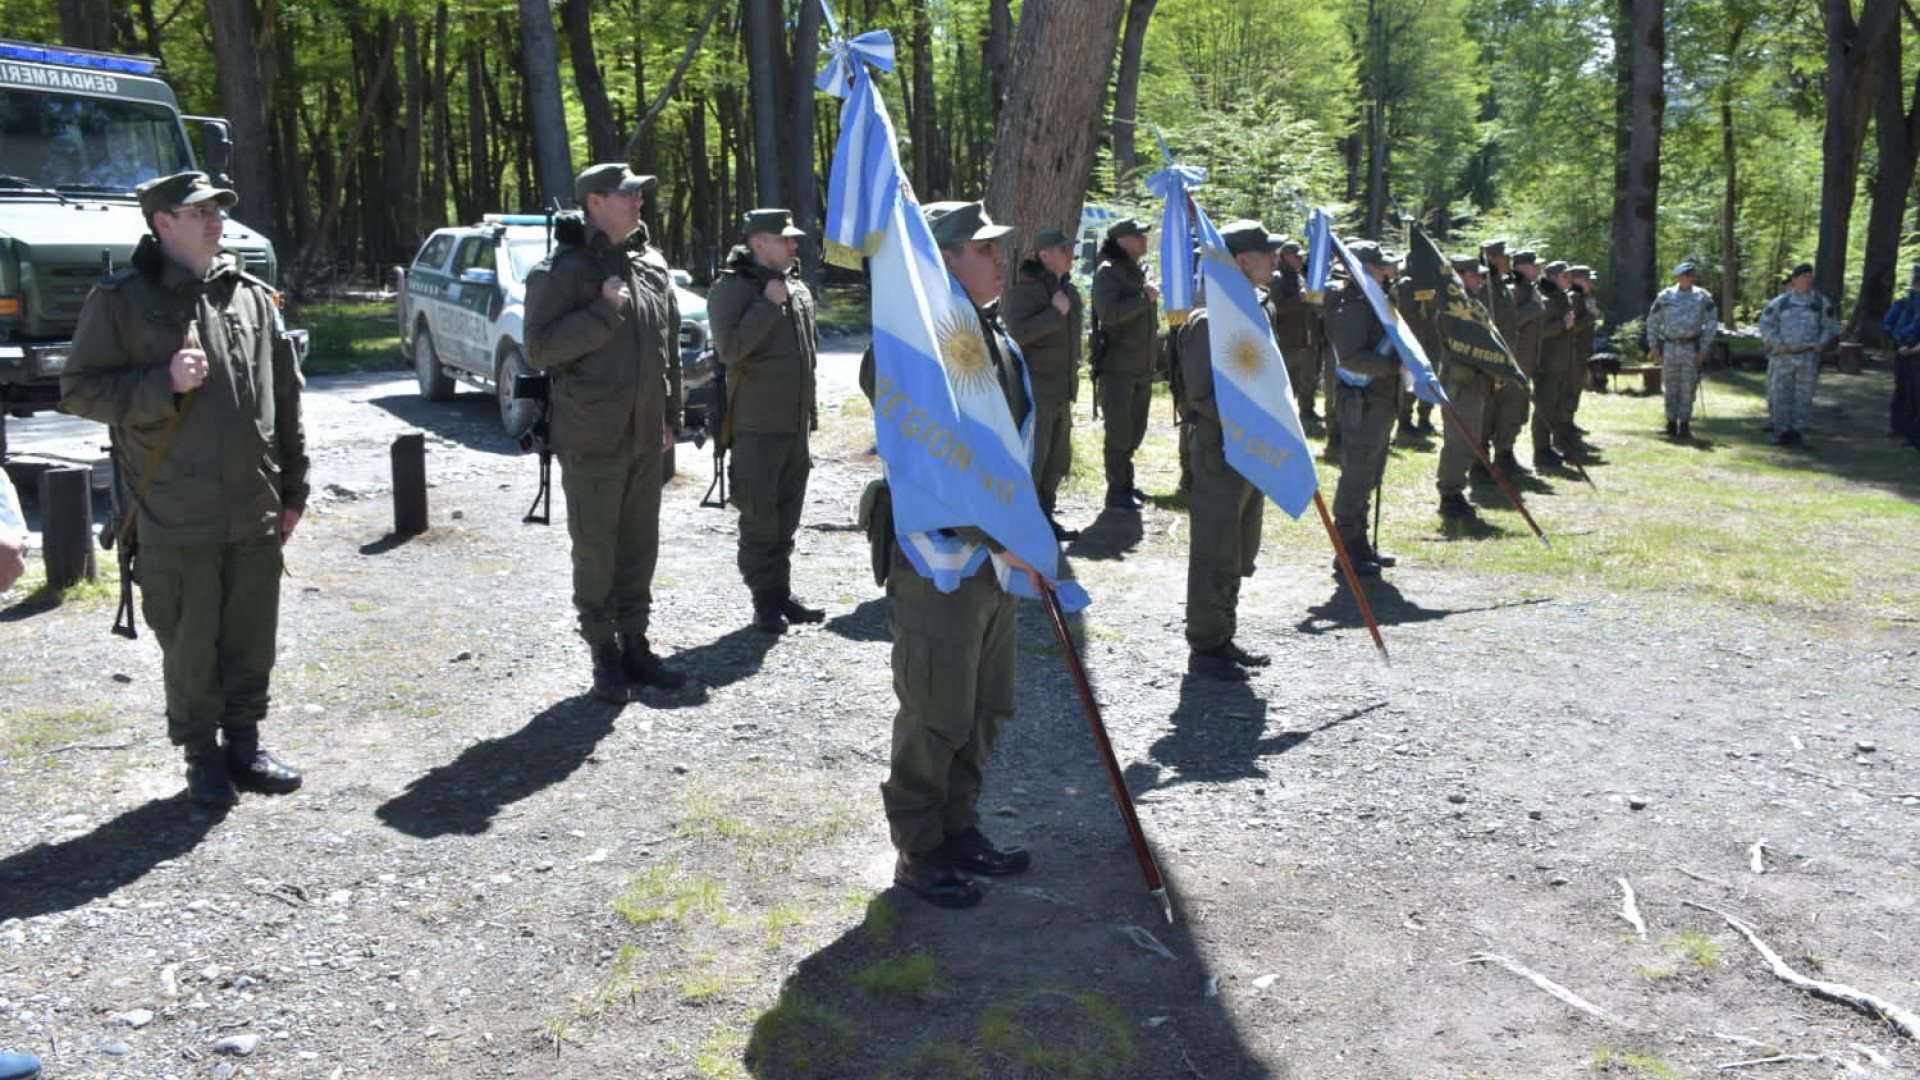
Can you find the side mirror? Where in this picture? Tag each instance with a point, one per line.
(216, 146)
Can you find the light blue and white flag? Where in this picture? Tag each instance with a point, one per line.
(954, 458)
(1426, 385)
(1181, 221)
(1259, 422)
(1319, 249)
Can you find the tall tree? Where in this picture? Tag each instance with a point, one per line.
(240, 38)
(1856, 48)
(758, 21)
(1126, 90)
(806, 196)
(1896, 128)
(86, 24)
(603, 142)
(1640, 48)
(1050, 125)
(552, 148)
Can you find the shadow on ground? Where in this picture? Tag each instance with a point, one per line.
(68, 874)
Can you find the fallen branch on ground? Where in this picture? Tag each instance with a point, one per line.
(1777, 1059)
(1544, 983)
(1630, 911)
(1754, 860)
(1906, 1022)
(1702, 877)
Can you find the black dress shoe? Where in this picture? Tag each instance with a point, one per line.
(971, 852)
(642, 668)
(1215, 664)
(1062, 533)
(1121, 500)
(1362, 567)
(1546, 457)
(936, 883)
(1247, 659)
(1510, 464)
(255, 770)
(1455, 506)
(1383, 560)
(798, 612)
(209, 783)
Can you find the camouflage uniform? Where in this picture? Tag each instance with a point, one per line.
(1680, 327)
(1052, 344)
(1806, 325)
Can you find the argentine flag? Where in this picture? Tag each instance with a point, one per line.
(1259, 422)
(1426, 385)
(953, 456)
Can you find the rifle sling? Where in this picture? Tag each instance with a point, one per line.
(152, 465)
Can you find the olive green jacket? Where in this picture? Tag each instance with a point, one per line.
(770, 350)
(1558, 342)
(1353, 330)
(1529, 318)
(1050, 341)
(1121, 305)
(616, 373)
(1293, 317)
(239, 455)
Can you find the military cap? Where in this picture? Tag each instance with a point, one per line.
(1584, 273)
(1047, 238)
(771, 220)
(1686, 268)
(1803, 268)
(1467, 264)
(180, 189)
(1369, 252)
(1525, 257)
(1290, 247)
(1494, 247)
(1555, 267)
(958, 222)
(607, 178)
(1128, 227)
(1247, 235)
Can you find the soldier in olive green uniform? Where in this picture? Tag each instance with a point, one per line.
(1470, 387)
(1421, 310)
(1511, 404)
(953, 652)
(1046, 315)
(1294, 323)
(1586, 322)
(1558, 364)
(602, 318)
(1226, 507)
(183, 355)
(1125, 308)
(1366, 398)
(763, 330)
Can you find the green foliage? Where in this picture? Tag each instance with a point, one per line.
(349, 337)
(1615, 1061)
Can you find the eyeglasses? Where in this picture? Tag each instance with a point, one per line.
(206, 211)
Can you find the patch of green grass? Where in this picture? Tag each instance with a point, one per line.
(913, 975)
(778, 919)
(348, 337)
(38, 730)
(708, 981)
(774, 827)
(1656, 972)
(1084, 1036)
(1611, 1060)
(663, 893)
(937, 1061)
(882, 921)
(800, 1039)
(719, 1055)
(1698, 947)
(846, 307)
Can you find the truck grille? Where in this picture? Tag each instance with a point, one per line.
(62, 290)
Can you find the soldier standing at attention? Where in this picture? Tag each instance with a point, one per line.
(1798, 326)
(603, 319)
(763, 331)
(1586, 321)
(182, 354)
(953, 652)
(1366, 398)
(1421, 310)
(1046, 315)
(1558, 365)
(1124, 308)
(1680, 326)
(1293, 324)
(1502, 301)
(1471, 389)
(1226, 508)
(1510, 402)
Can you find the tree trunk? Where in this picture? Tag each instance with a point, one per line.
(1897, 136)
(1640, 51)
(479, 189)
(1126, 93)
(1050, 126)
(404, 166)
(1729, 213)
(87, 24)
(758, 19)
(999, 45)
(438, 169)
(806, 198)
(552, 150)
(1853, 55)
(921, 108)
(603, 140)
(243, 94)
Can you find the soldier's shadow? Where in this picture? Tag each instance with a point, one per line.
(734, 655)
(1390, 607)
(867, 622)
(463, 796)
(67, 874)
(1111, 536)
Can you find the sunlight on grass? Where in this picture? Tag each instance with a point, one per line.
(348, 337)
(909, 976)
(1611, 1060)
(663, 893)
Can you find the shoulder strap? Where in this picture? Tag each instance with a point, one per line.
(152, 465)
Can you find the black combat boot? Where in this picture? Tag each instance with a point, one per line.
(642, 668)
(609, 679)
(1510, 464)
(1215, 663)
(1673, 427)
(1121, 499)
(796, 610)
(255, 770)
(767, 616)
(1455, 506)
(209, 784)
(1686, 430)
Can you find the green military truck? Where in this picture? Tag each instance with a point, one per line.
(78, 130)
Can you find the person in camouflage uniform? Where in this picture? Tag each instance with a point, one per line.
(1798, 326)
(1366, 399)
(1294, 322)
(1680, 328)
(1125, 309)
(763, 331)
(1046, 315)
(1224, 539)
(602, 317)
(182, 354)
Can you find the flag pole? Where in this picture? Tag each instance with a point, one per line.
(1148, 868)
(1352, 576)
(1572, 458)
(1453, 417)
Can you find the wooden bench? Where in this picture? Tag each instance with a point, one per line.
(1649, 376)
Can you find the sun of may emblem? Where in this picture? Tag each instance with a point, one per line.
(1246, 355)
(964, 352)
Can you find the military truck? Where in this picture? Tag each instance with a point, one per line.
(78, 130)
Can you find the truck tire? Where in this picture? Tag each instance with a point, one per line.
(435, 383)
(516, 414)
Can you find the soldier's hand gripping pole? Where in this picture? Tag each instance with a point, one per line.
(1353, 578)
(1148, 868)
(1453, 418)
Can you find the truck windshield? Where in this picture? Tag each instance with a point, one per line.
(87, 144)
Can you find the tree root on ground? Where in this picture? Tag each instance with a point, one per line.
(1903, 1020)
(1544, 983)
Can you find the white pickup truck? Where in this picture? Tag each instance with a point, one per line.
(462, 301)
